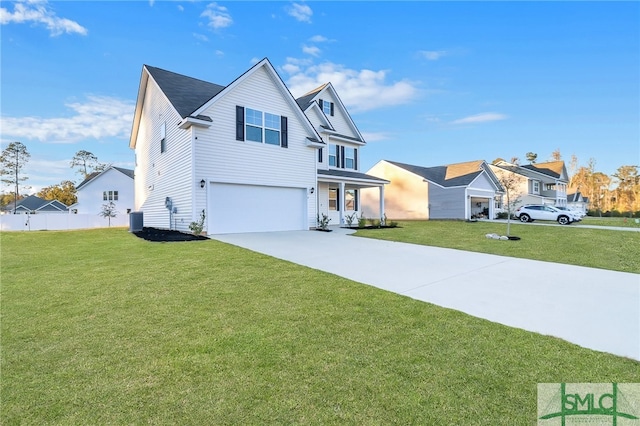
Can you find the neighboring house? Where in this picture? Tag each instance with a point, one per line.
(248, 154)
(114, 184)
(539, 183)
(455, 191)
(35, 205)
(578, 202)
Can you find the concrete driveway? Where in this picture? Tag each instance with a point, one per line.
(590, 307)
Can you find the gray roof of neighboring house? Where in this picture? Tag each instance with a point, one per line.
(439, 174)
(186, 94)
(576, 196)
(94, 175)
(350, 174)
(33, 203)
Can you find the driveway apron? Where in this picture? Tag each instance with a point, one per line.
(593, 308)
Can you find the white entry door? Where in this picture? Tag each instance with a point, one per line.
(237, 208)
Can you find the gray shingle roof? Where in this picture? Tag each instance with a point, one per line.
(93, 175)
(186, 94)
(438, 174)
(33, 203)
(350, 174)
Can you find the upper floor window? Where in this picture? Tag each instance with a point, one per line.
(333, 155)
(109, 195)
(163, 137)
(349, 158)
(327, 107)
(258, 126)
(535, 187)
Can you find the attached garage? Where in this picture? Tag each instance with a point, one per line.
(235, 208)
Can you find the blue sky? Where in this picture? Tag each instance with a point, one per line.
(427, 83)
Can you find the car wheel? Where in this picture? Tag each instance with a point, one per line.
(563, 220)
(524, 218)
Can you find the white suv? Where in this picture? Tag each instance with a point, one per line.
(531, 212)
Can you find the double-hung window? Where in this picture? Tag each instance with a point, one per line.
(327, 107)
(262, 127)
(349, 158)
(333, 199)
(333, 155)
(536, 187)
(109, 195)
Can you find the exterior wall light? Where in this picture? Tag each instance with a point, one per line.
(202, 182)
(312, 190)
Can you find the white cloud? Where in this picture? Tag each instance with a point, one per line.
(38, 12)
(300, 12)
(360, 90)
(97, 118)
(480, 118)
(311, 50)
(318, 39)
(200, 37)
(374, 136)
(432, 55)
(218, 16)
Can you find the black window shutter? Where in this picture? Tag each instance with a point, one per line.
(355, 199)
(320, 155)
(355, 159)
(338, 199)
(337, 155)
(320, 103)
(342, 157)
(332, 109)
(284, 132)
(239, 123)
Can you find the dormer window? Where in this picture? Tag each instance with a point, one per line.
(327, 107)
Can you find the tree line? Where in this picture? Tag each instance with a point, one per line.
(15, 156)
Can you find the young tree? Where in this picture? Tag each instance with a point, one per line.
(87, 163)
(65, 192)
(510, 182)
(108, 211)
(12, 160)
(556, 155)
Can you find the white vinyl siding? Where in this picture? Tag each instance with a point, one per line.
(166, 174)
(220, 158)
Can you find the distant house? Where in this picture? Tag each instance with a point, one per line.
(454, 191)
(34, 205)
(539, 183)
(578, 202)
(114, 184)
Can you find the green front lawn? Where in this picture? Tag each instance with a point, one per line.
(598, 248)
(99, 327)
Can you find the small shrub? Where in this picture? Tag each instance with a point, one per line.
(502, 215)
(362, 221)
(197, 226)
(323, 222)
(350, 219)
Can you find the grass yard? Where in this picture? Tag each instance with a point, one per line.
(597, 248)
(624, 222)
(100, 327)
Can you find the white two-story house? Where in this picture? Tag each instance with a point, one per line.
(245, 154)
(538, 183)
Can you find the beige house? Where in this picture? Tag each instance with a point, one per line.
(454, 191)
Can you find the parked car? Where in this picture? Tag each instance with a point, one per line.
(531, 212)
(576, 214)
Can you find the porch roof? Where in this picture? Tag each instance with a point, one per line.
(350, 177)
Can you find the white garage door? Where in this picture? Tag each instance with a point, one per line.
(252, 208)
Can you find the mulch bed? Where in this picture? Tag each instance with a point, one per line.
(166, 235)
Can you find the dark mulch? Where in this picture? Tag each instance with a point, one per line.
(166, 235)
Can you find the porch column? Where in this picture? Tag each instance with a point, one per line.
(381, 202)
(341, 202)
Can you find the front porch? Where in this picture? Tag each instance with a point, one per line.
(339, 195)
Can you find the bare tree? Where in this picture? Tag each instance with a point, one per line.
(510, 182)
(12, 160)
(556, 155)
